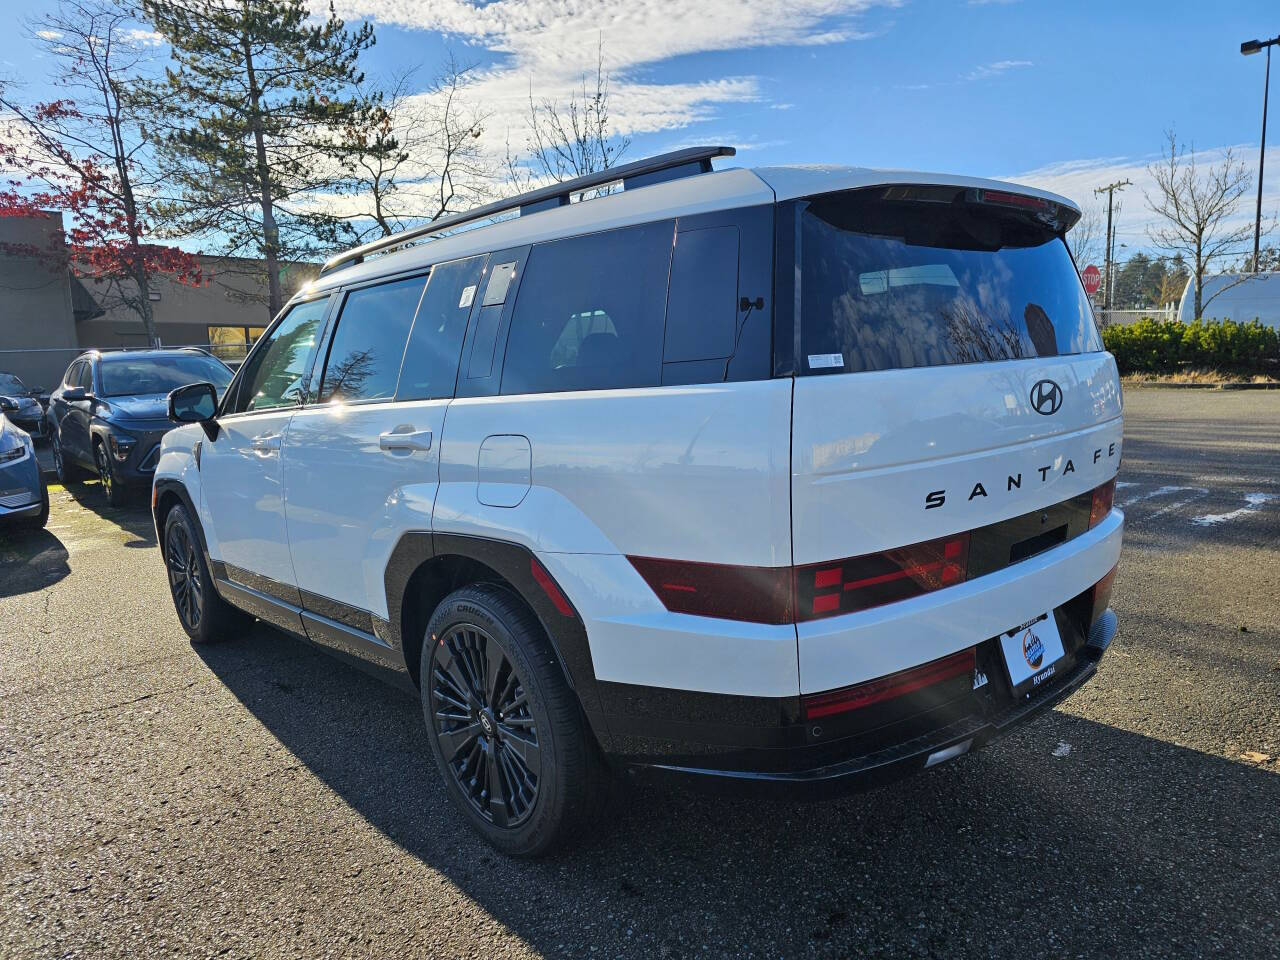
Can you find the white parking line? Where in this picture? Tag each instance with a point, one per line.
(1162, 492)
(1254, 501)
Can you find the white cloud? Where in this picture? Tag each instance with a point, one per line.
(989, 70)
(547, 45)
(48, 34)
(1077, 180)
(144, 38)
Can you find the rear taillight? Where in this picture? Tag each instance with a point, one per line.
(1103, 497)
(899, 684)
(787, 594)
(859, 583)
(1102, 595)
(754, 594)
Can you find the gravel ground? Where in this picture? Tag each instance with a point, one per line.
(260, 799)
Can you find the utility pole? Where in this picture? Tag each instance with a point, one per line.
(1110, 190)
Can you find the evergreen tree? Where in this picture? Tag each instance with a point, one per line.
(258, 97)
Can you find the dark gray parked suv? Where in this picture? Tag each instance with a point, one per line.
(111, 410)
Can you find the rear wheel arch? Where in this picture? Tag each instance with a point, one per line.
(425, 568)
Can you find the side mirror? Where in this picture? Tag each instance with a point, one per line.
(194, 403)
(8, 405)
(75, 393)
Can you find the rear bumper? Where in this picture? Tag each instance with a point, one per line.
(892, 761)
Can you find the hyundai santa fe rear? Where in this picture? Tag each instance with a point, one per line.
(782, 481)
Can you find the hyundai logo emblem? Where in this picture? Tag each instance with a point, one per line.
(1046, 397)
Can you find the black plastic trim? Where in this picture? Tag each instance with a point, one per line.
(512, 562)
(353, 618)
(889, 763)
(274, 611)
(286, 593)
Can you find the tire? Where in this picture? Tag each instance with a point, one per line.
(38, 522)
(116, 492)
(530, 734)
(67, 472)
(205, 616)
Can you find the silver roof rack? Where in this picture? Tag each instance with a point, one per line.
(640, 173)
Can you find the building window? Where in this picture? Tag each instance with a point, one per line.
(231, 344)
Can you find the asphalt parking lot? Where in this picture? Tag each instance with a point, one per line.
(260, 799)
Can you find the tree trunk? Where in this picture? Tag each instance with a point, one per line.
(270, 230)
(1200, 265)
(145, 310)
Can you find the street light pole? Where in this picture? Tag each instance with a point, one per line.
(1247, 48)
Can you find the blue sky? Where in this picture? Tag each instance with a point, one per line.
(1063, 94)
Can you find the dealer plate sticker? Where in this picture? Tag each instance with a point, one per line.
(1032, 650)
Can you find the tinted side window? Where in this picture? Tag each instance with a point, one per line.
(431, 360)
(368, 345)
(85, 379)
(702, 305)
(590, 313)
(275, 376)
(72, 377)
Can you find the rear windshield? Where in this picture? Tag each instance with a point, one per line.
(127, 376)
(888, 283)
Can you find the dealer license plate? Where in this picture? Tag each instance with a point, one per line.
(1032, 652)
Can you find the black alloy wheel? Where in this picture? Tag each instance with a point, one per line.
(66, 472)
(509, 736)
(484, 726)
(59, 468)
(186, 580)
(204, 615)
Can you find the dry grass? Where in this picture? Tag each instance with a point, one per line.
(1207, 377)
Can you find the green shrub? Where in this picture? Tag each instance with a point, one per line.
(1164, 346)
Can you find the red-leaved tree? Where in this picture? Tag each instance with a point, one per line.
(91, 158)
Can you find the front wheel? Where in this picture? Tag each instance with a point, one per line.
(116, 493)
(204, 615)
(67, 472)
(506, 730)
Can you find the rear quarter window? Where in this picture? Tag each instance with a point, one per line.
(591, 312)
(891, 284)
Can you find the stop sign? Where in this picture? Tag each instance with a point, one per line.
(1092, 278)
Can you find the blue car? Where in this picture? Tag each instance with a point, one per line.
(21, 404)
(24, 498)
(112, 408)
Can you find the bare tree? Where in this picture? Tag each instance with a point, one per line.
(1085, 239)
(571, 139)
(88, 153)
(417, 156)
(1197, 205)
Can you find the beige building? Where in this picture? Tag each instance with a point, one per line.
(48, 316)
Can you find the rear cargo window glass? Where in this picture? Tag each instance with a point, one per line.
(888, 284)
(590, 313)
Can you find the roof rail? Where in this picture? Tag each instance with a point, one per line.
(640, 173)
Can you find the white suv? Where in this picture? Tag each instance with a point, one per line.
(788, 479)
